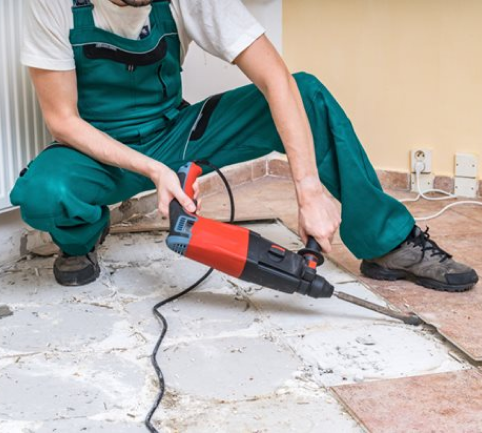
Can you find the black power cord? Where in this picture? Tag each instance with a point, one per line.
(162, 320)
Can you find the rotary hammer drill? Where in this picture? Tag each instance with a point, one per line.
(243, 253)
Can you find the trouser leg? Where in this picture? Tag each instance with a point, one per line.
(240, 128)
(66, 193)
(373, 223)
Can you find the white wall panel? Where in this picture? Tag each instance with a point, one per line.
(22, 130)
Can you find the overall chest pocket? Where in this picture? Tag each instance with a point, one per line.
(140, 72)
(100, 51)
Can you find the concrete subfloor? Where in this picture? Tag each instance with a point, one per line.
(237, 358)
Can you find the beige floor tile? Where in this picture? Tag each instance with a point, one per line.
(442, 403)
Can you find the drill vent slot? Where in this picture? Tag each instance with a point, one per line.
(184, 224)
(179, 248)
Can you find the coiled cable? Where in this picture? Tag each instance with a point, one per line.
(162, 320)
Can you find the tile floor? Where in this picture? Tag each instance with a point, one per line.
(237, 358)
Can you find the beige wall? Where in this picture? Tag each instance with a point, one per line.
(408, 72)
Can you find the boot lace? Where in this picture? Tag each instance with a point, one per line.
(423, 240)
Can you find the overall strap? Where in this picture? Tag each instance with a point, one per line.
(80, 3)
(161, 11)
(83, 13)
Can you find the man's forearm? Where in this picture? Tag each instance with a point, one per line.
(81, 135)
(294, 129)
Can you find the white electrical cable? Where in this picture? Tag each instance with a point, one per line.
(419, 167)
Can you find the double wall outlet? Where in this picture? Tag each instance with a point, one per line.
(466, 170)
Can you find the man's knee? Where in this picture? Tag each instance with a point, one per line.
(308, 84)
(40, 198)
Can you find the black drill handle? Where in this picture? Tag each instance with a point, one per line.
(312, 253)
(312, 244)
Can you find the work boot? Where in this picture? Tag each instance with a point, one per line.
(79, 270)
(422, 261)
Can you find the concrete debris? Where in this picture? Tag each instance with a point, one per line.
(366, 340)
(5, 311)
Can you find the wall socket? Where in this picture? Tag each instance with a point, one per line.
(421, 155)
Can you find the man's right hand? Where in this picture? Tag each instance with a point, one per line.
(169, 188)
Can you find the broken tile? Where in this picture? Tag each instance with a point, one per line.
(259, 169)
(46, 250)
(446, 402)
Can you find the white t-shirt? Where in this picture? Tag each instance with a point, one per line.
(224, 28)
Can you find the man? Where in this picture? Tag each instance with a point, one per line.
(107, 75)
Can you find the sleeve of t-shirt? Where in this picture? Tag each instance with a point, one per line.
(46, 43)
(223, 28)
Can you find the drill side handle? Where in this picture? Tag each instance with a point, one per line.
(312, 253)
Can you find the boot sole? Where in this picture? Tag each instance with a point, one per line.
(79, 278)
(376, 272)
(85, 276)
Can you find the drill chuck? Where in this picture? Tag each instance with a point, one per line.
(320, 288)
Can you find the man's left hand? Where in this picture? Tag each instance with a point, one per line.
(319, 214)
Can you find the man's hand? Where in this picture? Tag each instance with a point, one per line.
(319, 215)
(169, 188)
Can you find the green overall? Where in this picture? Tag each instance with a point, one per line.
(131, 90)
